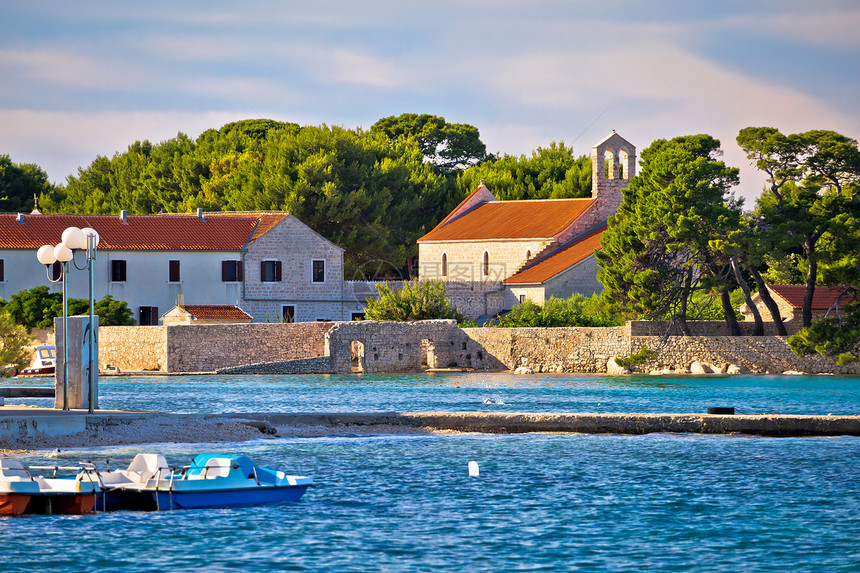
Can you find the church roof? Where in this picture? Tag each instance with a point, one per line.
(166, 232)
(530, 219)
(559, 260)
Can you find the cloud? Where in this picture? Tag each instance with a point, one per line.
(813, 24)
(63, 67)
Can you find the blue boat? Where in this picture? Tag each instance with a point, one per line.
(212, 480)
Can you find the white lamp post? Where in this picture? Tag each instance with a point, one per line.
(73, 239)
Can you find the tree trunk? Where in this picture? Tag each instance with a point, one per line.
(759, 326)
(731, 319)
(685, 296)
(811, 276)
(768, 301)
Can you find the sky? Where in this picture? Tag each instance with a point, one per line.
(88, 78)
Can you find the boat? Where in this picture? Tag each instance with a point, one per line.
(44, 362)
(212, 480)
(21, 492)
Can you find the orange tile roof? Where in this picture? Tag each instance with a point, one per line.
(822, 299)
(560, 260)
(530, 219)
(217, 312)
(170, 232)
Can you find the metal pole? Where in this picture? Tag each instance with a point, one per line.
(65, 340)
(91, 256)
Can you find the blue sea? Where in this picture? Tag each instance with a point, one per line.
(540, 503)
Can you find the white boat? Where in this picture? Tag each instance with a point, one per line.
(44, 363)
(212, 480)
(22, 492)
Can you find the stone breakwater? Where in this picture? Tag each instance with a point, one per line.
(36, 430)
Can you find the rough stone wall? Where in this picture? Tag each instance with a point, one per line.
(295, 245)
(205, 348)
(759, 354)
(581, 278)
(321, 365)
(579, 349)
(465, 259)
(476, 299)
(391, 346)
(133, 348)
(703, 328)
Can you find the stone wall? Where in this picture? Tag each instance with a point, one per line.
(321, 365)
(366, 346)
(134, 348)
(703, 328)
(206, 348)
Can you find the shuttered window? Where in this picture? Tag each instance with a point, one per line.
(270, 271)
(173, 271)
(231, 271)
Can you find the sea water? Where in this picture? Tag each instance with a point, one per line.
(560, 502)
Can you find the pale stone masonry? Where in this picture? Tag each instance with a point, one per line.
(368, 346)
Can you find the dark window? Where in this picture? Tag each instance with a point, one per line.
(2, 275)
(358, 316)
(148, 316)
(522, 298)
(486, 264)
(270, 271)
(444, 264)
(56, 271)
(231, 271)
(288, 313)
(117, 271)
(173, 271)
(318, 272)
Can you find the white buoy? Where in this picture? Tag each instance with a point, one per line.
(473, 469)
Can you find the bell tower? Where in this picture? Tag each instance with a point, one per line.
(613, 163)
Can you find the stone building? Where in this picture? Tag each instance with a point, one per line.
(494, 254)
(270, 264)
(789, 299)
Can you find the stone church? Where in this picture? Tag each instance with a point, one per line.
(493, 254)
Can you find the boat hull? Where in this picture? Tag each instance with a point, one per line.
(62, 504)
(237, 497)
(12, 504)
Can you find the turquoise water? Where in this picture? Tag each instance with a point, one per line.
(467, 392)
(541, 502)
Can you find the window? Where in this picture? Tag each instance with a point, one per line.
(444, 264)
(117, 271)
(522, 298)
(358, 316)
(173, 271)
(528, 254)
(148, 316)
(2, 270)
(288, 313)
(231, 271)
(318, 274)
(56, 271)
(270, 271)
(486, 263)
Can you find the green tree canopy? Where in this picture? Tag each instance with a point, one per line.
(552, 172)
(416, 300)
(450, 146)
(20, 183)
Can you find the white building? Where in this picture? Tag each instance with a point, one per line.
(270, 264)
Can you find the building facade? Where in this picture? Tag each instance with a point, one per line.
(270, 264)
(493, 254)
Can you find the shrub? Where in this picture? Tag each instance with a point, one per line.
(417, 300)
(13, 339)
(37, 307)
(578, 310)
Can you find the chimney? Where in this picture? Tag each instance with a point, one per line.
(123, 215)
(20, 218)
(200, 213)
(180, 301)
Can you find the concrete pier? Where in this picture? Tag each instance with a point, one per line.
(20, 424)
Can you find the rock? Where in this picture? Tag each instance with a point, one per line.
(793, 373)
(523, 370)
(700, 368)
(612, 367)
(733, 369)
